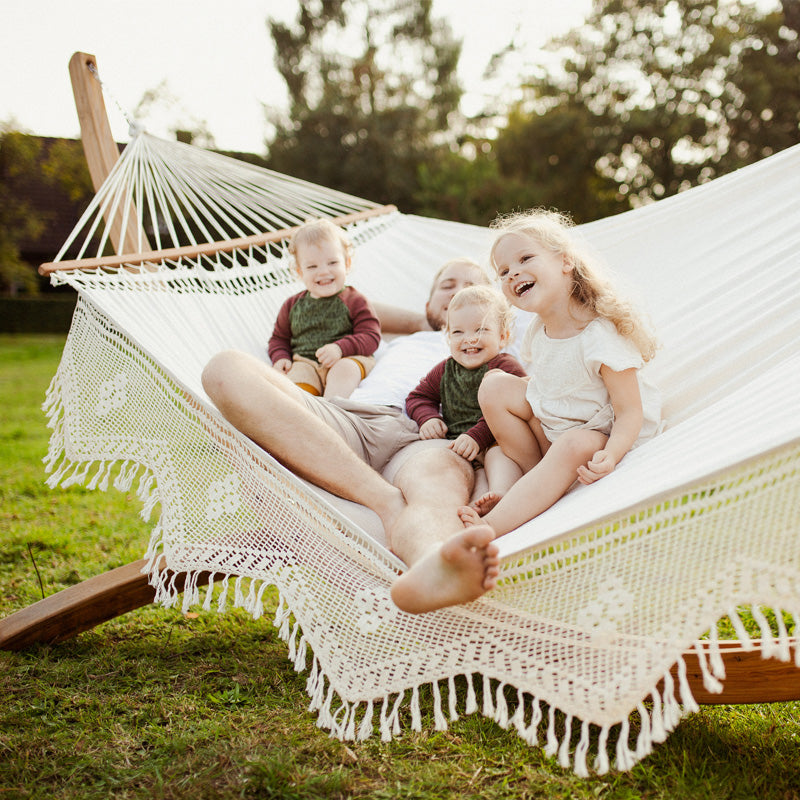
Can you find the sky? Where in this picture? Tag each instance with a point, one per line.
(212, 58)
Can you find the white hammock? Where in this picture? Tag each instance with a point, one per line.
(598, 597)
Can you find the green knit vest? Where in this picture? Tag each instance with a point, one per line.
(459, 393)
(316, 321)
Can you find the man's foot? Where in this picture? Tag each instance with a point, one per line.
(461, 569)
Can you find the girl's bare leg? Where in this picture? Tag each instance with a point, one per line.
(543, 485)
(502, 473)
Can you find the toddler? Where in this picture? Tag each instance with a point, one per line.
(324, 336)
(445, 403)
(585, 405)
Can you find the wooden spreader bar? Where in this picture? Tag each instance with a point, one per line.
(197, 250)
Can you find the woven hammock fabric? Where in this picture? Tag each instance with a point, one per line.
(598, 597)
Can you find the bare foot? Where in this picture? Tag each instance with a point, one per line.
(461, 569)
(486, 502)
(469, 516)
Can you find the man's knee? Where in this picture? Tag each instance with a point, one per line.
(436, 471)
(217, 373)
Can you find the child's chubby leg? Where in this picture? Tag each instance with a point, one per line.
(502, 473)
(543, 485)
(520, 438)
(342, 378)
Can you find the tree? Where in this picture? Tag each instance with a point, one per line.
(653, 96)
(19, 156)
(373, 90)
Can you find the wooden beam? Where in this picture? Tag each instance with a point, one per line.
(193, 251)
(99, 147)
(750, 678)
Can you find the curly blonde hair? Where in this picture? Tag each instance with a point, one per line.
(590, 286)
(315, 231)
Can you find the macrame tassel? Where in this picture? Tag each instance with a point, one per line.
(386, 734)
(551, 748)
(394, 717)
(147, 494)
(300, 660)
(657, 730)
(672, 710)
(518, 720)
(767, 646)
(451, 698)
(440, 723)
(563, 751)
(625, 758)
(644, 741)
(55, 479)
(325, 719)
(714, 656)
(78, 475)
(689, 703)
(416, 717)
(472, 703)
(350, 728)
(581, 768)
(782, 652)
(258, 606)
(311, 681)
(223, 595)
(601, 762)
(501, 707)
(741, 634)
(710, 683)
(530, 734)
(292, 643)
(96, 479)
(124, 477)
(190, 594)
(488, 708)
(238, 597)
(365, 728)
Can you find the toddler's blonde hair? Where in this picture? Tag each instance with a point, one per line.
(590, 286)
(315, 231)
(488, 298)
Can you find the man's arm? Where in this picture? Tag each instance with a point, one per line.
(398, 320)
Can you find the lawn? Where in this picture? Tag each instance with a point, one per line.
(161, 704)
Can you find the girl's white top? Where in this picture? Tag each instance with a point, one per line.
(565, 389)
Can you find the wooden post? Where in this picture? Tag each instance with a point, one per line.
(99, 146)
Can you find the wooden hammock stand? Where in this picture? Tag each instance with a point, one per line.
(750, 678)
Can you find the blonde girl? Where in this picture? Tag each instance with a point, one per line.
(585, 404)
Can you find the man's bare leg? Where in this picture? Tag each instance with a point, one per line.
(268, 408)
(448, 564)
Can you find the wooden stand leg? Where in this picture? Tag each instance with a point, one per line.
(66, 613)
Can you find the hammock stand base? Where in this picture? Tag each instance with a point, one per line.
(750, 677)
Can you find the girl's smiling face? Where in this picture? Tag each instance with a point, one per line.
(533, 277)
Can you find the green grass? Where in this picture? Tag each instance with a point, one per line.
(158, 704)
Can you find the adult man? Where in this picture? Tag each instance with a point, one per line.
(347, 442)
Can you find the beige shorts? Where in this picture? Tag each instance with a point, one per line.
(308, 372)
(373, 433)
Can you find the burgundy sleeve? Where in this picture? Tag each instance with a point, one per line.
(480, 430)
(366, 335)
(280, 343)
(424, 402)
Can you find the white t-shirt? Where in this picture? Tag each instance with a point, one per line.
(565, 389)
(401, 364)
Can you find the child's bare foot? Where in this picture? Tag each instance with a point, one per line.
(486, 502)
(461, 569)
(469, 516)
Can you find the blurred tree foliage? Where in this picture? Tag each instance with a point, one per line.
(19, 157)
(373, 95)
(652, 97)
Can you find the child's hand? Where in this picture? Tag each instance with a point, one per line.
(602, 464)
(328, 354)
(433, 428)
(465, 446)
(283, 365)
